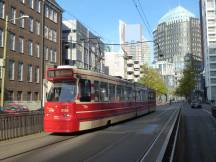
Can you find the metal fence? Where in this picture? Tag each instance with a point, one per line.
(16, 125)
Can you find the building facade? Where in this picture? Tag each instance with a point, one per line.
(177, 34)
(135, 48)
(116, 63)
(33, 44)
(82, 48)
(208, 21)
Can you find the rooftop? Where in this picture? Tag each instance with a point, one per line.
(177, 14)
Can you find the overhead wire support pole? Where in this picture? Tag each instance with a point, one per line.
(4, 61)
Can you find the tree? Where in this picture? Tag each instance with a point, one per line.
(187, 82)
(152, 79)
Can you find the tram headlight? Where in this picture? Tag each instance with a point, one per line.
(65, 110)
(50, 109)
(67, 115)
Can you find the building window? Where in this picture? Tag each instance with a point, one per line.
(22, 21)
(21, 45)
(46, 31)
(212, 50)
(46, 11)
(54, 56)
(51, 55)
(0, 72)
(46, 53)
(30, 48)
(55, 17)
(31, 27)
(212, 58)
(22, 1)
(38, 6)
(1, 38)
(2, 9)
(36, 96)
(37, 77)
(213, 66)
(12, 41)
(13, 15)
(20, 71)
(51, 14)
(37, 50)
(37, 28)
(31, 3)
(54, 36)
(19, 96)
(11, 66)
(50, 34)
(29, 96)
(212, 73)
(10, 95)
(29, 73)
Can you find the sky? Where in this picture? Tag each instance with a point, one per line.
(102, 16)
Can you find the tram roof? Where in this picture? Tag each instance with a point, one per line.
(99, 75)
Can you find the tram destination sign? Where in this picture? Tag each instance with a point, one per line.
(60, 73)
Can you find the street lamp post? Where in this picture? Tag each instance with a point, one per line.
(5, 55)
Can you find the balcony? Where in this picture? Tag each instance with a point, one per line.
(137, 73)
(130, 69)
(136, 66)
(130, 77)
(130, 61)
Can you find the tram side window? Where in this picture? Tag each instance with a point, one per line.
(97, 91)
(134, 95)
(111, 92)
(85, 90)
(138, 96)
(145, 95)
(118, 94)
(129, 94)
(104, 92)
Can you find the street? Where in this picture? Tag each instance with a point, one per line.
(198, 134)
(141, 139)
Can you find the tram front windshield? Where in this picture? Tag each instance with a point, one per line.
(62, 92)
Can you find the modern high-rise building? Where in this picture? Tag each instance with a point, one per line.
(177, 34)
(208, 21)
(81, 48)
(32, 45)
(135, 48)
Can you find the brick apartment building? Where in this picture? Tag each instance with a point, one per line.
(33, 44)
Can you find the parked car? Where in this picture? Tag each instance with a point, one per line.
(196, 104)
(213, 109)
(1, 110)
(15, 108)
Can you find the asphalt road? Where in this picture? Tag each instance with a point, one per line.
(141, 139)
(198, 135)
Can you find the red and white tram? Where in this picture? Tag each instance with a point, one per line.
(79, 100)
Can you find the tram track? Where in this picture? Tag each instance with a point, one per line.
(156, 139)
(124, 137)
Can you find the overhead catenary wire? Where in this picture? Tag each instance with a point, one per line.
(148, 25)
(141, 16)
